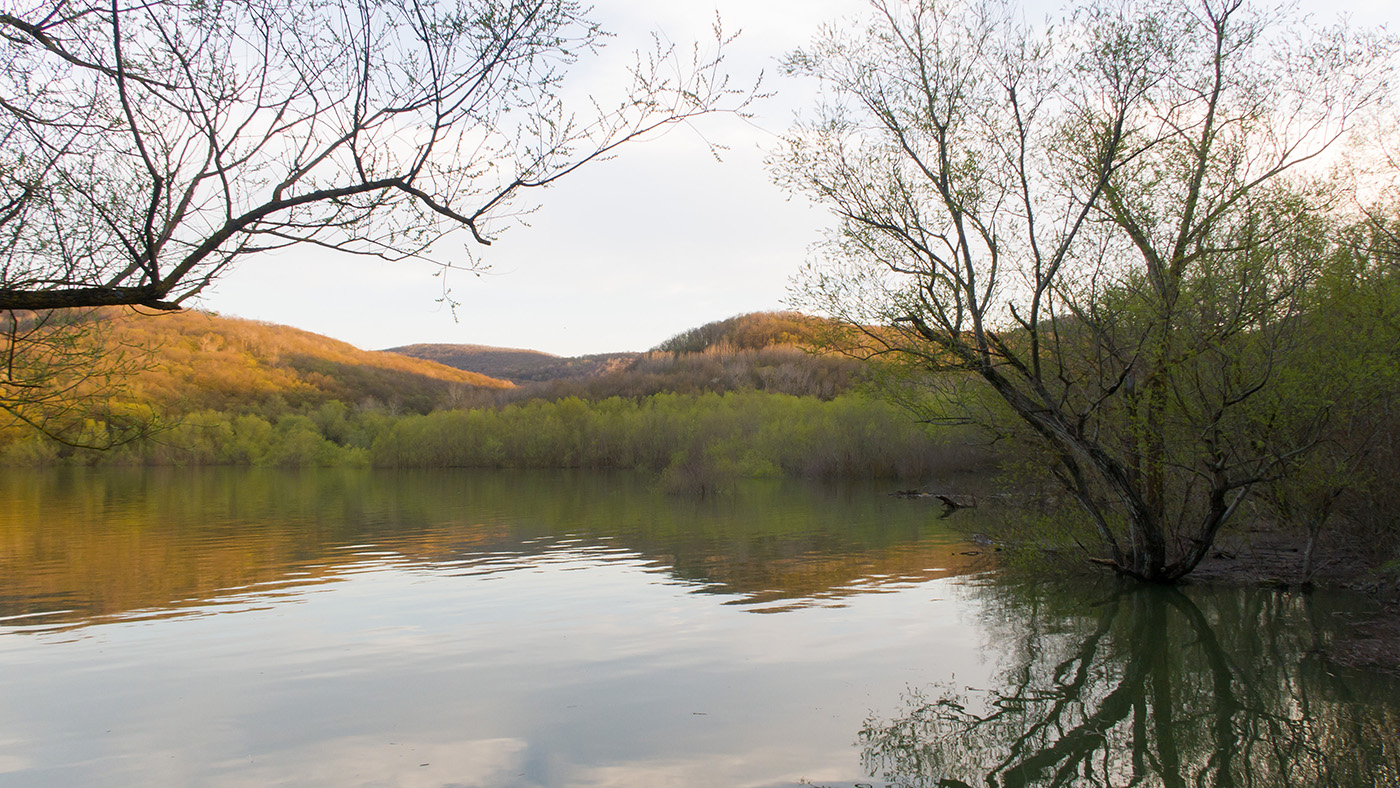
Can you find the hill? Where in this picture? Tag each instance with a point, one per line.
(759, 351)
(204, 361)
(516, 366)
(752, 331)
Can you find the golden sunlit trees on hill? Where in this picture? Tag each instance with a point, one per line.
(208, 361)
(753, 331)
(1105, 221)
(115, 377)
(145, 147)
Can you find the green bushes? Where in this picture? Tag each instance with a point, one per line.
(693, 440)
(208, 437)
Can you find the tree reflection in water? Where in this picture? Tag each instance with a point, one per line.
(1150, 687)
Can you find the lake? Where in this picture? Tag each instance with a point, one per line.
(233, 627)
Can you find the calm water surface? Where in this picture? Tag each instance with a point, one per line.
(371, 628)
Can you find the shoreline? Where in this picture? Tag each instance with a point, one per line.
(1261, 556)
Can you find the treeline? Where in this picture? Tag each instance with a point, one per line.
(694, 441)
(331, 434)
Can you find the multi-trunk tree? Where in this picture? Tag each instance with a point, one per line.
(1108, 222)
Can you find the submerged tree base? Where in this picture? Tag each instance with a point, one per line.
(1262, 554)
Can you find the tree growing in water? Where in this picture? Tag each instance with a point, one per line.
(1104, 221)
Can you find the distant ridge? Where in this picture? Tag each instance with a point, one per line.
(766, 351)
(751, 331)
(516, 365)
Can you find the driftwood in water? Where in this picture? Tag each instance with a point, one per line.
(948, 500)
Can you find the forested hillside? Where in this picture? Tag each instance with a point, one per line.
(760, 351)
(206, 361)
(753, 331)
(143, 382)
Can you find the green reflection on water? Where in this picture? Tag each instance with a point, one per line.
(1114, 686)
(80, 544)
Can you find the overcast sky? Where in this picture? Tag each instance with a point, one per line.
(621, 255)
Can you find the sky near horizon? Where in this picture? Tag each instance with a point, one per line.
(624, 253)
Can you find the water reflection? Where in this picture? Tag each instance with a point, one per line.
(82, 545)
(1152, 687)
(347, 628)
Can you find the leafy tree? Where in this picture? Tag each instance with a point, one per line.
(1104, 221)
(1337, 391)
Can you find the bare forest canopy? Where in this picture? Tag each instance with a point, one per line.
(753, 331)
(181, 362)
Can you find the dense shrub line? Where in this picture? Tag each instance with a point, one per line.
(733, 434)
(695, 441)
